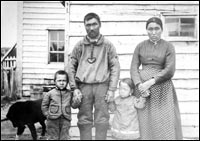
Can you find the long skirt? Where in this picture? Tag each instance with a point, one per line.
(160, 119)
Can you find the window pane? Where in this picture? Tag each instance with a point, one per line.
(61, 57)
(53, 57)
(187, 20)
(187, 30)
(187, 27)
(53, 35)
(61, 35)
(61, 46)
(180, 26)
(172, 26)
(53, 46)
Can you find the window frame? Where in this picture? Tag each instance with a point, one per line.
(181, 15)
(48, 59)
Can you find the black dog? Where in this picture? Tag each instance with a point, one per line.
(27, 113)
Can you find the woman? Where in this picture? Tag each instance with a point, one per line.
(160, 119)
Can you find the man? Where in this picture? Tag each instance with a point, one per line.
(93, 75)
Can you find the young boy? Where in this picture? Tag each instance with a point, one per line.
(56, 106)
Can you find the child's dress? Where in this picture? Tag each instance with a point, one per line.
(125, 123)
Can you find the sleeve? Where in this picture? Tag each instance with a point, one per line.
(73, 65)
(74, 104)
(45, 104)
(112, 106)
(139, 103)
(135, 64)
(169, 67)
(114, 67)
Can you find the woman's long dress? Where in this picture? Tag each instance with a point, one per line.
(160, 119)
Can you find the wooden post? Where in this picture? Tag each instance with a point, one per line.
(19, 46)
(6, 84)
(67, 32)
(2, 81)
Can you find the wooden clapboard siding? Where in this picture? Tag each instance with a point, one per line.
(123, 23)
(38, 17)
(129, 20)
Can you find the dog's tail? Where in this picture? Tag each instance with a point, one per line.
(4, 119)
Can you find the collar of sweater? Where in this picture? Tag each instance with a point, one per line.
(97, 41)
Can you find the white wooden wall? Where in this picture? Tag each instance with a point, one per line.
(123, 23)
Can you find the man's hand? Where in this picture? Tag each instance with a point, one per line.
(109, 96)
(77, 95)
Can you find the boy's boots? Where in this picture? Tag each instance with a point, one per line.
(85, 131)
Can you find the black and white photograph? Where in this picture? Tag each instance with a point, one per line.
(99, 70)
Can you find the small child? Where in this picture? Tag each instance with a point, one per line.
(125, 124)
(56, 106)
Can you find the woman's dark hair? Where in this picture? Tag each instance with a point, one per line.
(129, 82)
(61, 72)
(90, 16)
(154, 20)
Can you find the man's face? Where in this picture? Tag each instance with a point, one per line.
(92, 27)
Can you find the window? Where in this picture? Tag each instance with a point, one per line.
(56, 46)
(180, 26)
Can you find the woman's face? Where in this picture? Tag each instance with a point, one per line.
(154, 31)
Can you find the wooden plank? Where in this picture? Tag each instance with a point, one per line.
(186, 8)
(181, 61)
(127, 44)
(35, 37)
(187, 84)
(187, 95)
(116, 13)
(186, 47)
(35, 32)
(44, 21)
(36, 43)
(134, 2)
(190, 119)
(42, 65)
(38, 75)
(48, 71)
(47, 10)
(42, 59)
(35, 54)
(19, 46)
(43, 26)
(55, 16)
(42, 5)
(35, 48)
(109, 28)
(189, 107)
(191, 132)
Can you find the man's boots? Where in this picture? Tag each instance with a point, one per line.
(101, 131)
(85, 131)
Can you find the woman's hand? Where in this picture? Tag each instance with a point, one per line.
(143, 87)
